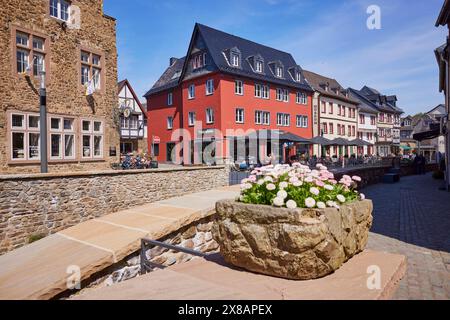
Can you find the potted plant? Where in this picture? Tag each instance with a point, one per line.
(293, 222)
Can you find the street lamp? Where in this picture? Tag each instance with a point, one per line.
(43, 121)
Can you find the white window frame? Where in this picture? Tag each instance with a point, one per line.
(170, 98)
(239, 115)
(259, 66)
(234, 59)
(266, 118)
(209, 87)
(265, 92)
(191, 91)
(279, 72)
(92, 133)
(191, 118)
(279, 96)
(301, 98)
(26, 130)
(59, 11)
(298, 76)
(258, 92)
(285, 95)
(239, 87)
(258, 117)
(62, 132)
(283, 119)
(209, 115)
(169, 122)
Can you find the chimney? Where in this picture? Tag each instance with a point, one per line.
(172, 61)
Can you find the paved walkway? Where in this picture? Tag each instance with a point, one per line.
(413, 218)
(40, 270)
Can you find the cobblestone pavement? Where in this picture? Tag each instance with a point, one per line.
(413, 218)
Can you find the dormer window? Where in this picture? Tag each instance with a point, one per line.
(234, 59)
(259, 66)
(298, 76)
(279, 71)
(198, 61)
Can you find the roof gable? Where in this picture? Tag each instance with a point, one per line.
(126, 83)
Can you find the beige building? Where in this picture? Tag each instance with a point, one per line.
(74, 44)
(337, 113)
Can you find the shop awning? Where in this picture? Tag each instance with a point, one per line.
(287, 136)
(340, 142)
(360, 143)
(320, 140)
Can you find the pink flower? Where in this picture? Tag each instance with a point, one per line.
(356, 178)
(319, 183)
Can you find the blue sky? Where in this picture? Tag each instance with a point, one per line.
(328, 37)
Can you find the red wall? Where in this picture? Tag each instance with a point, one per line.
(224, 102)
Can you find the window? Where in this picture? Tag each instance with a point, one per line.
(209, 86)
(238, 87)
(169, 98)
(262, 91)
(92, 138)
(283, 119)
(286, 95)
(298, 76)
(191, 91)
(209, 115)
(25, 53)
(301, 121)
(259, 66)
(59, 9)
(91, 69)
(349, 132)
(362, 119)
(343, 130)
(279, 94)
(239, 115)
(331, 128)
(262, 117)
(62, 138)
(353, 131)
(169, 123)
(191, 118)
(339, 130)
(258, 117)
(323, 107)
(198, 61)
(301, 98)
(235, 59)
(330, 108)
(25, 137)
(279, 72)
(372, 120)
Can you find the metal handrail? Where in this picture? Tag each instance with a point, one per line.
(146, 244)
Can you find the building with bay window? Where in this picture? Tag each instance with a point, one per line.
(56, 39)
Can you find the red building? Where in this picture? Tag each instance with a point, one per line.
(232, 93)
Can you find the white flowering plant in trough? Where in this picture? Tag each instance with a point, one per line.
(298, 186)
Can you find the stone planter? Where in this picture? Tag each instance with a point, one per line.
(296, 244)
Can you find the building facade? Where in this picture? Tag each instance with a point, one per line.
(387, 139)
(74, 43)
(133, 121)
(337, 112)
(224, 91)
(367, 123)
(407, 143)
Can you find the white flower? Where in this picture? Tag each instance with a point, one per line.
(293, 179)
(314, 191)
(309, 179)
(261, 181)
(246, 186)
(241, 198)
(362, 196)
(330, 203)
(270, 187)
(283, 185)
(277, 201)
(341, 198)
(297, 183)
(310, 202)
(291, 204)
(282, 194)
(268, 179)
(321, 205)
(328, 187)
(244, 180)
(356, 178)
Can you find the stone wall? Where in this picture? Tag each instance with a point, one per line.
(65, 94)
(197, 236)
(39, 205)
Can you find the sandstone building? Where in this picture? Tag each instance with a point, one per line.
(74, 43)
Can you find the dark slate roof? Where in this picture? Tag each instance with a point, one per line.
(316, 81)
(383, 105)
(365, 105)
(444, 14)
(168, 79)
(218, 42)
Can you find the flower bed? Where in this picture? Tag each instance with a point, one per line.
(293, 222)
(298, 186)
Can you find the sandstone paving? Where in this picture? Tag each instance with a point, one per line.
(39, 270)
(187, 281)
